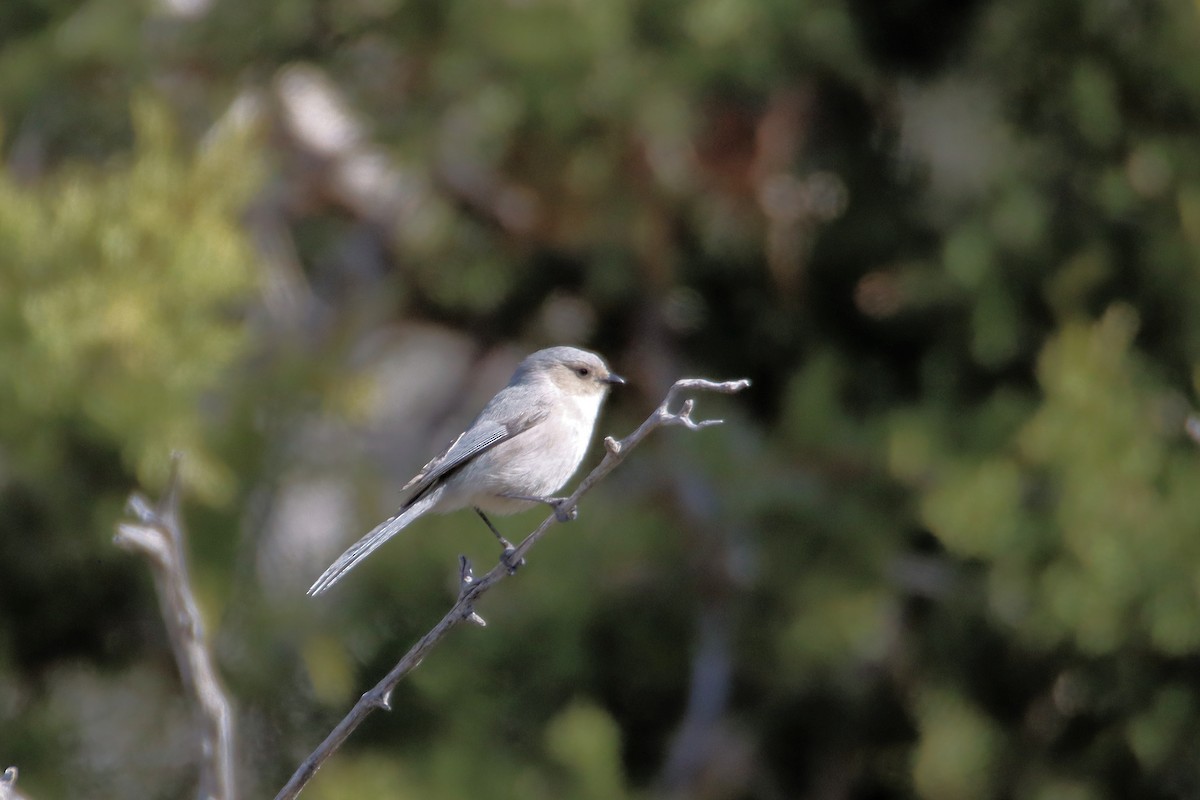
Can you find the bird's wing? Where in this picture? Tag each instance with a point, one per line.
(483, 435)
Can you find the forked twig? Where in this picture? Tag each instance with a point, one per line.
(8, 785)
(159, 536)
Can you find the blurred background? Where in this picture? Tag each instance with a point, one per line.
(947, 546)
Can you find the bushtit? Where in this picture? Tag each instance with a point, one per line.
(523, 446)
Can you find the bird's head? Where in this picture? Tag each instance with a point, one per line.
(573, 371)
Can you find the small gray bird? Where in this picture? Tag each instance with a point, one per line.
(523, 447)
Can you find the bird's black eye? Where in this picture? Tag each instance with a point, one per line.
(582, 372)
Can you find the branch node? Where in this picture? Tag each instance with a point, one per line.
(466, 576)
(612, 445)
(147, 540)
(684, 418)
(139, 506)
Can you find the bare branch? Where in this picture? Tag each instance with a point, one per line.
(472, 588)
(158, 535)
(8, 785)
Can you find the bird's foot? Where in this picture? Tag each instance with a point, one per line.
(560, 513)
(508, 557)
(508, 554)
(556, 503)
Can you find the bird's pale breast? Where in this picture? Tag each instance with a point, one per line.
(537, 462)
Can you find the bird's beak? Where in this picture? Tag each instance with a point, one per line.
(614, 379)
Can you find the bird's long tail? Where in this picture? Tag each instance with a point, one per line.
(372, 541)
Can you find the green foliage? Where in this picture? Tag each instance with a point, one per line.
(1082, 517)
(587, 743)
(958, 753)
(124, 292)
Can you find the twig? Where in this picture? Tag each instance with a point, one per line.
(8, 785)
(158, 535)
(471, 588)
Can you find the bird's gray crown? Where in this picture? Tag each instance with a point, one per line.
(568, 365)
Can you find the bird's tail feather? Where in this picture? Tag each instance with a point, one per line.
(372, 542)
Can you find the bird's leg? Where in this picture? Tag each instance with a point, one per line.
(553, 502)
(509, 551)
